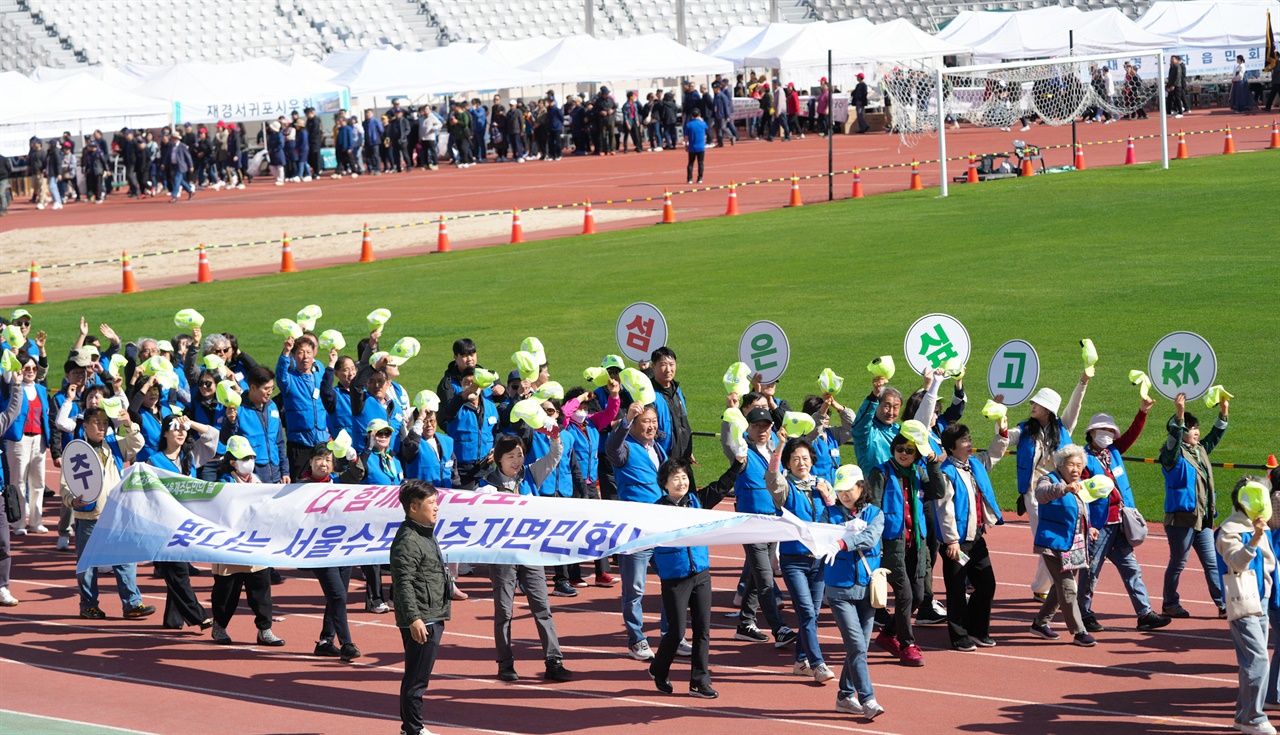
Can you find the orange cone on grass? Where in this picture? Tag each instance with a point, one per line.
(286, 256)
(916, 183)
(668, 211)
(732, 208)
(857, 184)
(1228, 144)
(1130, 154)
(972, 176)
(130, 285)
(35, 294)
(795, 192)
(588, 221)
(366, 246)
(1079, 162)
(203, 274)
(442, 239)
(1028, 168)
(517, 232)
(1275, 136)
(1182, 146)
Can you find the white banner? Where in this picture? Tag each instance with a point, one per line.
(155, 515)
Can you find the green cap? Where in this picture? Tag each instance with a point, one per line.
(734, 418)
(376, 357)
(9, 363)
(1215, 395)
(797, 423)
(164, 345)
(378, 318)
(238, 447)
(427, 400)
(188, 318)
(995, 411)
(847, 477)
(113, 407)
(1256, 500)
(332, 339)
(1089, 352)
(214, 363)
(597, 376)
(117, 364)
(533, 346)
(1140, 379)
(548, 390)
(167, 379)
(1097, 487)
(612, 361)
(156, 365)
(404, 348)
(918, 434)
(18, 314)
(737, 379)
(308, 315)
(341, 444)
(882, 367)
(485, 378)
(638, 385)
(526, 364)
(829, 382)
(287, 328)
(228, 394)
(953, 368)
(13, 335)
(530, 411)
(376, 425)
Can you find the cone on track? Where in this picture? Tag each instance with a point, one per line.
(588, 221)
(1079, 162)
(1228, 144)
(1028, 169)
(1130, 155)
(857, 184)
(517, 232)
(1275, 137)
(1182, 145)
(732, 209)
(916, 183)
(442, 240)
(972, 176)
(286, 256)
(203, 274)
(35, 295)
(130, 285)
(366, 246)
(668, 211)
(795, 192)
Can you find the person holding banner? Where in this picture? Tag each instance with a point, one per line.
(258, 422)
(1190, 502)
(585, 419)
(876, 424)
(511, 475)
(471, 419)
(674, 434)
(382, 468)
(206, 409)
(1061, 540)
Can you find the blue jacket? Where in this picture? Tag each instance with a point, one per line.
(893, 501)
(1058, 519)
(559, 483)
(344, 141)
(383, 469)
(1180, 488)
(586, 449)
(1027, 454)
(373, 132)
(472, 430)
(262, 427)
(1092, 466)
(555, 118)
(848, 571)
(156, 458)
(303, 410)
(871, 437)
(337, 405)
(678, 563)
(427, 465)
(723, 105)
(664, 417)
(637, 480)
(479, 121)
(275, 149)
(14, 433)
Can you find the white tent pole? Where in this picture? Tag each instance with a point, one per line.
(1164, 118)
(942, 128)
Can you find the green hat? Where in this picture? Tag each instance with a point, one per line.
(548, 390)
(995, 411)
(427, 400)
(829, 382)
(376, 425)
(117, 364)
(953, 368)
(228, 395)
(18, 314)
(1140, 379)
(597, 376)
(287, 328)
(9, 363)
(113, 407)
(156, 365)
(1089, 352)
(533, 346)
(485, 378)
(167, 379)
(526, 364)
(1098, 487)
(612, 361)
(734, 418)
(214, 363)
(638, 385)
(188, 318)
(882, 367)
(918, 434)
(239, 447)
(1256, 500)
(378, 318)
(164, 345)
(332, 339)
(376, 357)
(530, 411)
(797, 423)
(1216, 394)
(847, 477)
(13, 335)
(341, 444)
(404, 348)
(737, 379)
(308, 315)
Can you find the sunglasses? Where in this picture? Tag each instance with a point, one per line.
(384, 432)
(206, 384)
(904, 449)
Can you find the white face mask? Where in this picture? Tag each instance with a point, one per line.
(244, 466)
(1104, 440)
(579, 416)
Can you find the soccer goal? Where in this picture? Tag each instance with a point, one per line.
(926, 98)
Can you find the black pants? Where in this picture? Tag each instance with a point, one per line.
(334, 582)
(1271, 96)
(419, 659)
(226, 596)
(698, 156)
(299, 458)
(692, 595)
(554, 144)
(372, 584)
(315, 161)
(908, 591)
(181, 606)
(760, 587)
(931, 545)
(971, 618)
(633, 132)
(371, 159)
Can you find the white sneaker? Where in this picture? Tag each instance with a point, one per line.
(1025, 127)
(641, 651)
(1262, 728)
(306, 178)
(19, 532)
(39, 206)
(355, 176)
(57, 205)
(801, 668)
(684, 649)
(939, 609)
(823, 674)
(240, 186)
(1178, 116)
(64, 543)
(279, 183)
(40, 529)
(849, 706)
(871, 709)
(6, 599)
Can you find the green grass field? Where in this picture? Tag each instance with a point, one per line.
(1119, 255)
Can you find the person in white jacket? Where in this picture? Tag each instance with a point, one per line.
(429, 127)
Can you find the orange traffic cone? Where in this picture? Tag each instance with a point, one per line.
(1079, 162)
(1228, 145)
(442, 240)
(1182, 145)
(732, 209)
(668, 211)
(130, 285)
(1271, 462)
(916, 183)
(203, 274)
(286, 256)
(795, 192)
(35, 295)
(517, 232)
(1028, 169)
(857, 184)
(972, 176)
(588, 221)
(1275, 137)
(366, 246)
(1130, 155)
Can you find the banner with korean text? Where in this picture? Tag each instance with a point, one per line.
(155, 515)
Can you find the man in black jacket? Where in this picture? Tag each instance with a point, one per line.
(6, 171)
(1174, 86)
(859, 100)
(315, 141)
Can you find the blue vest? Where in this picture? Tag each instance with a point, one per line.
(847, 570)
(15, 429)
(679, 563)
(156, 458)
(664, 418)
(373, 410)
(472, 431)
(983, 482)
(1256, 565)
(749, 489)
(1180, 487)
(586, 447)
(893, 501)
(1027, 454)
(152, 429)
(1098, 508)
(304, 413)
(202, 415)
(1057, 527)
(384, 469)
(559, 482)
(826, 456)
(341, 417)
(431, 467)
(637, 480)
(1274, 538)
(262, 435)
(60, 400)
(807, 507)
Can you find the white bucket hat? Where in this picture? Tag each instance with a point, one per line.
(1048, 398)
(1103, 421)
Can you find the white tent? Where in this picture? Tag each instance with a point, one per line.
(1109, 30)
(900, 40)
(1209, 35)
(454, 68)
(256, 89)
(732, 38)
(520, 51)
(108, 74)
(1049, 31)
(79, 103)
(307, 66)
(768, 37)
(586, 59)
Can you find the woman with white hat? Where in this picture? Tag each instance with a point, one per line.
(275, 152)
(1061, 541)
(383, 468)
(1036, 440)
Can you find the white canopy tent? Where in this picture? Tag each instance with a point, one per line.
(1049, 31)
(80, 103)
(587, 59)
(732, 38)
(1209, 35)
(109, 74)
(454, 68)
(767, 37)
(256, 89)
(307, 66)
(520, 51)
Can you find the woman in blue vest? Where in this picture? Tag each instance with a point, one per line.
(965, 511)
(343, 401)
(1064, 525)
(511, 474)
(378, 406)
(584, 419)
(807, 496)
(28, 440)
(206, 409)
(564, 481)
(181, 606)
(147, 411)
(1037, 438)
(383, 468)
(826, 440)
(686, 581)
(427, 453)
(846, 577)
(1273, 610)
(1244, 545)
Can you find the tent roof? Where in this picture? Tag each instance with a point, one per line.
(735, 36)
(307, 66)
(587, 59)
(1199, 23)
(852, 41)
(520, 51)
(768, 37)
(252, 78)
(453, 68)
(900, 39)
(80, 96)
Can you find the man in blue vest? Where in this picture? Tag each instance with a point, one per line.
(301, 379)
(258, 420)
(471, 420)
(876, 424)
(674, 435)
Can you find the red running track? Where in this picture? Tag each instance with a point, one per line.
(136, 675)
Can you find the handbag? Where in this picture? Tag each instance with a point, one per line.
(1076, 557)
(13, 502)
(878, 587)
(1242, 596)
(1133, 525)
